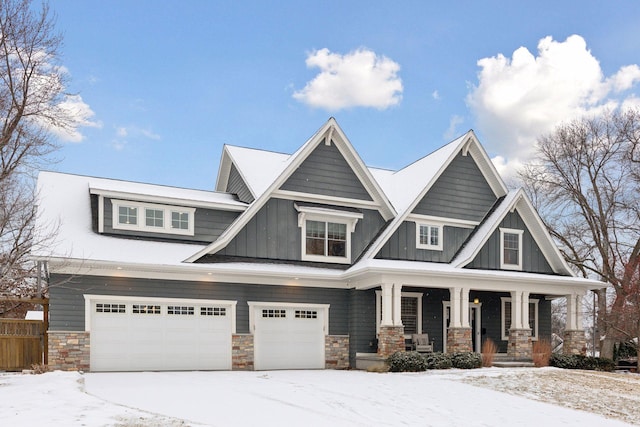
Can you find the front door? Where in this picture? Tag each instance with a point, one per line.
(475, 321)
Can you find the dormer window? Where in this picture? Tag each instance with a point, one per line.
(511, 249)
(148, 217)
(326, 233)
(429, 237)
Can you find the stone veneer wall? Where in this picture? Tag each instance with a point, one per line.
(242, 352)
(519, 346)
(69, 351)
(336, 351)
(575, 342)
(459, 340)
(390, 340)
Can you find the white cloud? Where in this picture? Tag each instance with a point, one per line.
(518, 99)
(123, 134)
(358, 79)
(435, 95)
(77, 114)
(452, 131)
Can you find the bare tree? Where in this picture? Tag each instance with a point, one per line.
(586, 185)
(32, 104)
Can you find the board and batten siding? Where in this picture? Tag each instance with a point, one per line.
(533, 260)
(67, 305)
(362, 323)
(461, 192)
(237, 186)
(402, 244)
(326, 172)
(273, 233)
(209, 225)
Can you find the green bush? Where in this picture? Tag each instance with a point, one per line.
(576, 361)
(466, 360)
(406, 361)
(438, 361)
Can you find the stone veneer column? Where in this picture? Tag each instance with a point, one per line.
(336, 351)
(242, 352)
(390, 340)
(459, 340)
(519, 346)
(575, 342)
(69, 351)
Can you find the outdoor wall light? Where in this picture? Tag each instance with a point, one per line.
(476, 300)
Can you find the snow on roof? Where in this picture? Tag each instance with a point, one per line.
(259, 168)
(64, 209)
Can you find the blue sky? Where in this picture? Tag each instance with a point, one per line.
(164, 85)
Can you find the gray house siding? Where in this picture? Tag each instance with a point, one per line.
(362, 323)
(237, 186)
(402, 244)
(533, 260)
(461, 192)
(209, 224)
(273, 233)
(326, 172)
(67, 306)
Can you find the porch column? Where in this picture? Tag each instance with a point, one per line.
(391, 336)
(519, 346)
(574, 336)
(459, 332)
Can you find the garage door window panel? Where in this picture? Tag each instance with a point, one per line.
(111, 308)
(180, 310)
(146, 309)
(213, 311)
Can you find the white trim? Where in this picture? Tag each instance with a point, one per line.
(320, 198)
(91, 298)
(262, 304)
(520, 234)
(100, 213)
(141, 218)
(417, 295)
(442, 221)
(235, 206)
(308, 213)
(534, 328)
(429, 246)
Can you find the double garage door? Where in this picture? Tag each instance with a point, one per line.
(159, 334)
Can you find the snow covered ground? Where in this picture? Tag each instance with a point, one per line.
(320, 398)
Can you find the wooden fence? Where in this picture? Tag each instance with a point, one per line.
(23, 343)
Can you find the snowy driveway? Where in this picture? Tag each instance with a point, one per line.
(323, 398)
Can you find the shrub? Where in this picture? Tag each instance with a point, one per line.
(541, 353)
(406, 361)
(577, 361)
(39, 368)
(438, 361)
(489, 350)
(466, 360)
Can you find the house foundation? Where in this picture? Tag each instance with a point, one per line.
(242, 352)
(459, 340)
(69, 351)
(336, 351)
(575, 342)
(519, 346)
(390, 340)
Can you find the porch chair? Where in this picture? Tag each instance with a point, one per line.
(421, 343)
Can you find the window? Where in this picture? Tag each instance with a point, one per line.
(511, 249)
(506, 318)
(152, 218)
(213, 311)
(410, 312)
(306, 314)
(110, 308)
(180, 310)
(274, 313)
(326, 239)
(429, 237)
(146, 309)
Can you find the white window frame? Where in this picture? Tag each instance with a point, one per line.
(350, 219)
(503, 322)
(429, 246)
(417, 295)
(520, 234)
(141, 225)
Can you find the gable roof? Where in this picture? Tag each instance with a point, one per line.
(518, 201)
(330, 131)
(409, 185)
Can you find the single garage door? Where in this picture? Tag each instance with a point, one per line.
(289, 336)
(160, 335)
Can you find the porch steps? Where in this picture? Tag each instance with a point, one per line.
(501, 360)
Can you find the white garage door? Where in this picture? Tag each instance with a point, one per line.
(159, 334)
(288, 336)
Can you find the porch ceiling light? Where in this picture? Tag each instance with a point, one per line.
(476, 300)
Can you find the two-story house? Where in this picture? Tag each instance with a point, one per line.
(303, 260)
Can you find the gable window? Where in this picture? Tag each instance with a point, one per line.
(506, 318)
(429, 236)
(326, 233)
(148, 217)
(410, 312)
(511, 249)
